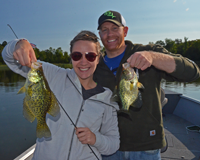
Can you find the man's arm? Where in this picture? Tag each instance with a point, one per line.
(178, 68)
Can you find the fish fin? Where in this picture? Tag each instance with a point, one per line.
(54, 108)
(125, 114)
(22, 90)
(45, 81)
(137, 104)
(115, 96)
(131, 86)
(42, 130)
(140, 85)
(28, 114)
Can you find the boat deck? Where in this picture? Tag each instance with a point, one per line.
(179, 113)
(182, 144)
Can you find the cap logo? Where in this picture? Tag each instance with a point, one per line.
(109, 14)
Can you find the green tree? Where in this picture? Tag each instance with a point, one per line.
(50, 56)
(37, 52)
(66, 57)
(59, 56)
(179, 46)
(103, 49)
(4, 43)
(151, 43)
(178, 41)
(185, 43)
(193, 50)
(1, 59)
(170, 45)
(160, 42)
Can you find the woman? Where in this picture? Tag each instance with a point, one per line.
(87, 103)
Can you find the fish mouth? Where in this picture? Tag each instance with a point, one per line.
(125, 66)
(36, 65)
(128, 71)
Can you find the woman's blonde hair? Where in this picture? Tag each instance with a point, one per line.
(86, 36)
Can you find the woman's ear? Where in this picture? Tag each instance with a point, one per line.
(99, 56)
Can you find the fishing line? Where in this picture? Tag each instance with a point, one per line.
(12, 30)
(75, 126)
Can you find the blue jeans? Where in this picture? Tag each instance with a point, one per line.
(134, 155)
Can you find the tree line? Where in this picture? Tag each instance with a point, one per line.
(189, 49)
(50, 55)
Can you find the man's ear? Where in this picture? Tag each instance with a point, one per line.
(99, 34)
(125, 31)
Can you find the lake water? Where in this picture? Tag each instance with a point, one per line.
(191, 90)
(17, 134)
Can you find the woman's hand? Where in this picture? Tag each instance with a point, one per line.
(85, 136)
(24, 53)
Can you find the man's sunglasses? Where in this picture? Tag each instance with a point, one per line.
(90, 56)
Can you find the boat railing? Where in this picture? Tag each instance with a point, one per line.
(27, 155)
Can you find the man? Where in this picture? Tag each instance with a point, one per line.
(143, 136)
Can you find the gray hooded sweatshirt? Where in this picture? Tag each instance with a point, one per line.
(97, 113)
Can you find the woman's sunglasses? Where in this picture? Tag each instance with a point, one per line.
(90, 56)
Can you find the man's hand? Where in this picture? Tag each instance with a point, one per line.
(141, 60)
(144, 59)
(85, 136)
(24, 53)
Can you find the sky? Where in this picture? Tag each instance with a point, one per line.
(54, 23)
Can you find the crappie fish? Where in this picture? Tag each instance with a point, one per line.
(128, 93)
(39, 100)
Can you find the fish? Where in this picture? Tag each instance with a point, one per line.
(127, 93)
(39, 100)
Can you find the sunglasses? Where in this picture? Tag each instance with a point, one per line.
(90, 56)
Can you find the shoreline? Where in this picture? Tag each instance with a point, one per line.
(63, 65)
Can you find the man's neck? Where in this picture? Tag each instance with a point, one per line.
(115, 53)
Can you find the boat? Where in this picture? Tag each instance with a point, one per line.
(181, 119)
(27, 155)
(180, 115)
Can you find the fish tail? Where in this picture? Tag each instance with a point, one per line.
(125, 114)
(115, 98)
(124, 111)
(42, 130)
